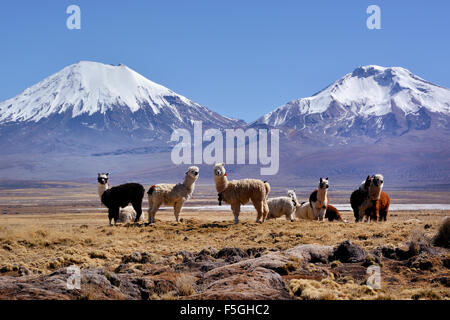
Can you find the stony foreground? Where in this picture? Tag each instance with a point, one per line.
(303, 272)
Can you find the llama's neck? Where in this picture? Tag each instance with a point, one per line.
(322, 194)
(375, 192)
(294, 200)
(102, 188)
(189, 183)
(221, 183)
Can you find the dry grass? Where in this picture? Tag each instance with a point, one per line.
(45, 242)
(43, 232)
(328, 289)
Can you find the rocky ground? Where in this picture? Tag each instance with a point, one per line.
(208, 257)
(307, 271)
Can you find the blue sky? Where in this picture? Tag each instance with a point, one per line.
(239, 58)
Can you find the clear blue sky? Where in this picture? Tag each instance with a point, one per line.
(241, 58)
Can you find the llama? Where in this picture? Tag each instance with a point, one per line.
(283, 206)
(376, 204)
(172, 194)
(304, 211)
(119, 197)
(358, 196)
(319, 199)
(333, 214)
(126, 214)
(239, 192)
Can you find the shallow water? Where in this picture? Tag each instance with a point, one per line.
(340, 207)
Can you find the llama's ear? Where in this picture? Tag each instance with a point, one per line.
(107, 174)
(326, 178)
(321, 180)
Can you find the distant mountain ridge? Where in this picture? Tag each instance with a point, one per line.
(94, 105)
(372, 101)
(91, 117)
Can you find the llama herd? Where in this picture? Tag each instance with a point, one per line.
(369, 202)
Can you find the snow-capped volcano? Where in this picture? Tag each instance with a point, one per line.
(87, 88)
(93, 106)
(372, 101)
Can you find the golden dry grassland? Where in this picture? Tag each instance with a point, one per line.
(45, 229)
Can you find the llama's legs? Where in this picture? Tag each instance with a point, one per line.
(316, 213)
(265, 210)
(383, 215)
(137, 206)
(177, 209)
(374, 212)
(321, 213)
(113, 213)
(236, 207)
(152, 212)
(290, 216)
(356, 214)
(259, 209)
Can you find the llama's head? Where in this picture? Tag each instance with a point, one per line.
(219, 170)
(377, 180)
(323, 183)
(293, 196)
(102, 178)
(193, 172)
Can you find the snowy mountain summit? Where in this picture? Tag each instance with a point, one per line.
(89, 88)
(91, 106)
(371, 101)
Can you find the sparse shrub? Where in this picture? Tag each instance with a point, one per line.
(286, 268)
(335, 264)
(442, 238)
(185, 285)
(422, 262)
(418, 242)
(97, 255)
(6, 268)
(310, 290)
(426, 294)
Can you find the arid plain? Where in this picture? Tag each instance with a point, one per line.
(50, 226)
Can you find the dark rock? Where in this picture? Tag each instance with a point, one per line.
(422, 262)
(347, 252)
(446, 262)
(135, 257)
(124, 268)
(255, 252)
(371, 260)
(445, 281)
(226, 253)
(187, 256)
(388, 252)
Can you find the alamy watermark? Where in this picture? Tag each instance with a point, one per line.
(374, 20)
(74, 20)
(191, 150)
(374, 280)
(74, 281)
